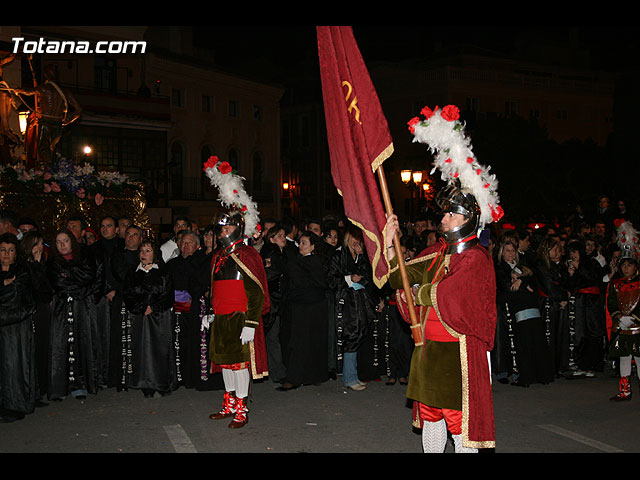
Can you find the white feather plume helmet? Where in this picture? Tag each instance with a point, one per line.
(443, 132)
(628, 238)
(231, 192)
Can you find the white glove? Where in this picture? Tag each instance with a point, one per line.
(247, 335)
(626, 322)
(206, 321)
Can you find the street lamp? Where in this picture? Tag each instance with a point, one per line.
(406, 176)
(86, 150)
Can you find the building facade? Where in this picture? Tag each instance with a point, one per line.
(157, 114)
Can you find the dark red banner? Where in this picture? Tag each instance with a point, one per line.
(358, 136)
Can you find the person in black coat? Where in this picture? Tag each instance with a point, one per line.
(351, 279)
(553, 296)
(124, 260)
(586, 310)
(273, 253)
(32, 251)
(74, 362)
(189, 291)
(304, 332)
(104, 249)
(148, 299)
(18, 383)
(516, 294)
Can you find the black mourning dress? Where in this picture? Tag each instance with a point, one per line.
(304, 331)
(531, 355)
(75, 360)
(153, 365)
(18, 384)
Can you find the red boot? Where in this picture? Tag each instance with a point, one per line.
(625, 391)
(228, 407)
(240, 418)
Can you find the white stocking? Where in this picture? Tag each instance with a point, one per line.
(229, 380)
(434, 436)
(625, 366)
(459, 448)
(242, 382)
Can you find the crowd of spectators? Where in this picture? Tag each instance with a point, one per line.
(102, 306)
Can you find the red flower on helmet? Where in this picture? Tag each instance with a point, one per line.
(428, 113)
(210, 163)
(450, 113)
(497, 213)
(225, 167)
(412, 124)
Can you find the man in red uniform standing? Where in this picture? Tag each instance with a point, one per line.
(239, 298)
(454, 292)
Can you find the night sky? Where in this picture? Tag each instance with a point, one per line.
(610, 47)
(578, 173)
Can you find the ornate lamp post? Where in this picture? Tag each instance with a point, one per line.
(406, 176)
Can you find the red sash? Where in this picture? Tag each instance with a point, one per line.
(228, 296)
(589, 290)
(434, 330)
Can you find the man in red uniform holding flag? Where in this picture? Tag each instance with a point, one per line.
(454, 294)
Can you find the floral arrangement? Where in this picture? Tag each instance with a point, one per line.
(66, 177)
(443, 132)
(231, 192)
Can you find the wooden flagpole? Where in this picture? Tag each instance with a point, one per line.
(416, 328)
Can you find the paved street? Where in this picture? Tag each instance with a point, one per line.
(567, 416)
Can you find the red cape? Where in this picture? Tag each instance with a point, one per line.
(466, 305)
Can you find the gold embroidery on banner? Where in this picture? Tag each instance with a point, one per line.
(386, 153)
(354, 103)
(377, 255)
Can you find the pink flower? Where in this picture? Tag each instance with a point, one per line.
(81, 193)
(47, 176)
(55, 187)
(99, 199)
(47, 188)
(26, 175)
